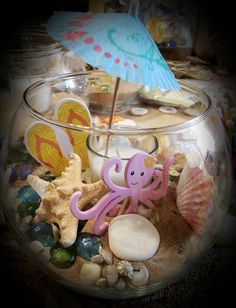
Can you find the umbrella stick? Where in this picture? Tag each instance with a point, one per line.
(113, 108)
(115, 95)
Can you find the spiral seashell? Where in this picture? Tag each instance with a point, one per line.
(125, 268)
(140, 277)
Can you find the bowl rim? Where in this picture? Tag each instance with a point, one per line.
(91, 150)
(114, 131)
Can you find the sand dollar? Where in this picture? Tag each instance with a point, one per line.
(133, 237)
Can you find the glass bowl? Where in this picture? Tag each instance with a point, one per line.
(96, 235)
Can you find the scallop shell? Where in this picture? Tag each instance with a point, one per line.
(195, 196)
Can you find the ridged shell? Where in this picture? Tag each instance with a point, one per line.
(195, 196)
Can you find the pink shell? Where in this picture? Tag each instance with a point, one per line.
(195, 196)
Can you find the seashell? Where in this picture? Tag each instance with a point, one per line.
(195, 196)
(97, 259)
(125, 268)
(143, 211)
(180, 161)
(107, 256)
(140, 277)
(121, 284)
(101, 283)
(111, 274)
(90, 273)
(173, 172)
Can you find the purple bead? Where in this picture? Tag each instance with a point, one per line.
(13, 176)
(24, 171)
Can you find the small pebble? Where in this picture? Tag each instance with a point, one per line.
(120, 285)
(36, 247)
(101, 283)
(167, 109)
(90, 273)
(44, 256)
(138, 111)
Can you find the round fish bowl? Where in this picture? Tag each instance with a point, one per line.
(115, 212)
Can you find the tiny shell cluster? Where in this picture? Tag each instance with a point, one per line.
(68, 246)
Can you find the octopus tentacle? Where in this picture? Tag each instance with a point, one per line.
(114, 211)
(157, 175)
(105, 173)
(100, 229)
(84, 215)
(73, 203)
(132, 206)
(159, 193)
(148, 203)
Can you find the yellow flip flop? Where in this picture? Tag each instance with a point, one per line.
(73, 111)
(46, 144)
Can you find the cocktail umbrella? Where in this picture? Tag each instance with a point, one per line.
(117, 42)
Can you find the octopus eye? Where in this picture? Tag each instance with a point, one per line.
(142, 173)
(132, 172)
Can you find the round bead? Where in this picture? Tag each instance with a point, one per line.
(42, 232)
(28, 194)
(62, 258)
(87, 245)
(138, 111)
(27, 209)
(165, 109)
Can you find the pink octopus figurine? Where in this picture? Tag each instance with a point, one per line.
(138, 174)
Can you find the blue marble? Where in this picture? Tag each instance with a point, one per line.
(87, 245)
(42, 232)
(27, 209)
(28, 194)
